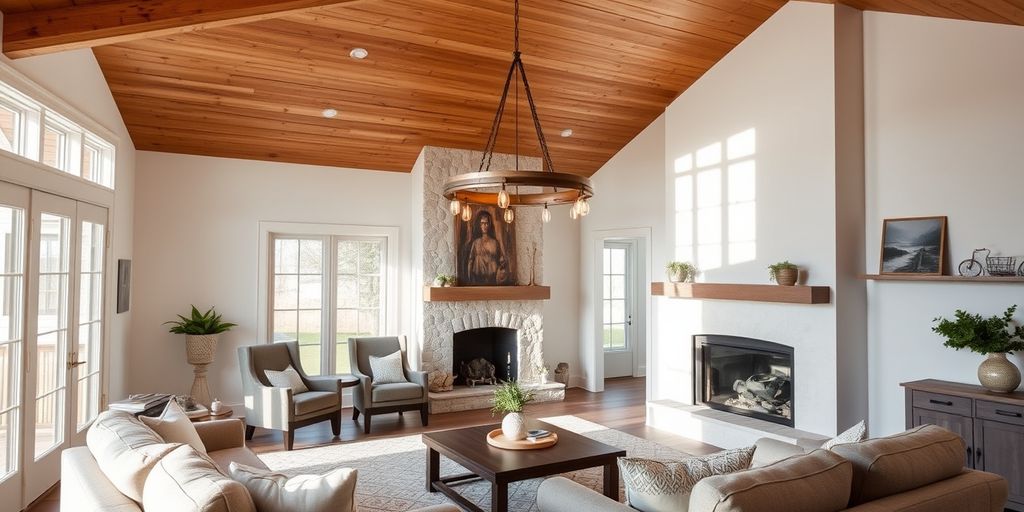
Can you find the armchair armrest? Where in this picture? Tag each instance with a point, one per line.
(221, 434)
(325, 383)
(268, 407)
(417, 378)
(361, 395)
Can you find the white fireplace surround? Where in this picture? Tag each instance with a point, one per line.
(437, 350)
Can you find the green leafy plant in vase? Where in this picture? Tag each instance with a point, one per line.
(444, 280)
(201, 332)
(994, 337)
(784, 273)
(681, 271)
(510, 399)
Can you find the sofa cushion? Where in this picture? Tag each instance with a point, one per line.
(396, 391)
(125, 450)
(901, 462)
(188, 481)
(313, 401)
(174, 426)
(241, 455)
(655, 486)
(275, 492)
(815, 482)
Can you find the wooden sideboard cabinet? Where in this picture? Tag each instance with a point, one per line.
(992, 424)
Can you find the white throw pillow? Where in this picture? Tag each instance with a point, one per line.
(655, 486)
(854, 434)
(287, 378)
(175, 427)
(274, 492)
(387, 369)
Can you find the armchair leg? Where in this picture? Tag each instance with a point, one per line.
(289, 439)
(424, 414)
(249, 431)
(355, 413)
(336, 424)
(366, 423)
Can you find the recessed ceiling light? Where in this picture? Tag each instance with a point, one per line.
(567, 132)
(358, 53)
(329, 113)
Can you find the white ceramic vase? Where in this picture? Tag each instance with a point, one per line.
(513, 427)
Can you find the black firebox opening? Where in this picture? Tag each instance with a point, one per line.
(498, 345)
(744, 376)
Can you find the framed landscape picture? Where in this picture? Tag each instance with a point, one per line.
(914, 245)
(485, 248)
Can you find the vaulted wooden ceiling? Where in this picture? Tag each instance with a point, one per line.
(250, 78)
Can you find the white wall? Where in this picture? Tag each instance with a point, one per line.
(944, 106)
(76, 78)
(778, 82)
(628, 194)
(196, 242)
(561, 312)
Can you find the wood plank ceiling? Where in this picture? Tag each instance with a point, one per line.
(604, 68)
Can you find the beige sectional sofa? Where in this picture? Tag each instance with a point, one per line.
(127, 467)
(920, 470)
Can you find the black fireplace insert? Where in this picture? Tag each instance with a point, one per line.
(498, 345)
(744, 376)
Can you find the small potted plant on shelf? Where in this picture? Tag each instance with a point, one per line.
(510, 399)
(784, 273)
(444, 280)
(681, 271)
(201, 332)
(995, 337)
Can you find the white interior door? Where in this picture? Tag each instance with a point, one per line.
(617, 306)
(14, 210)
(86, 361)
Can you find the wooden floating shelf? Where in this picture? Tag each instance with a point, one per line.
(748, 292)
(945, 279)
(465, 293)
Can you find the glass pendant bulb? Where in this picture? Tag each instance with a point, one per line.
(546, 214)
(510, 215)
(573, 213)
(455, 207)
(467, 213)
(585, 208)
(503, 199)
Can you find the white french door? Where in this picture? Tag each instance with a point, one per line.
(618, 278)
(14, 210)
(64, 333)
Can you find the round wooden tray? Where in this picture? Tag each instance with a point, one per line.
(496, 439)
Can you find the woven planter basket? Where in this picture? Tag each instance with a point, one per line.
(787, 276)
(200, 349)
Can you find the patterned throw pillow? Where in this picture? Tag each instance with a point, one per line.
(854, 434)
(654, 486)
(387, 369)
(287, 378)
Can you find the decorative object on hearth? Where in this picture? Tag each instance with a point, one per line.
(544, 372)
(485, 248)
(681, 271)
(478, 371)
(784, 273)
(201, 332)
(562, 374)
(506, 189)
(441, 382)
(914, 245)
(444, 280)
(995, 337)
(510, 399)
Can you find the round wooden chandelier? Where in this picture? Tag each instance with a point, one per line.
(509, 188)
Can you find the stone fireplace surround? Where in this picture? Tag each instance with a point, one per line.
(434, 249)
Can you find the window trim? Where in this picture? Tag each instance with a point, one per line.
(267, 231)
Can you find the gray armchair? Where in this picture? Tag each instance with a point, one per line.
(369, 398)
(277, 408)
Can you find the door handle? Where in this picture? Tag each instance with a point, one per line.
(977, 457)
(73, 364)
(629, 320)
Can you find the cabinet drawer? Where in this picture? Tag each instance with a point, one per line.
(996, 411)
(944, 403)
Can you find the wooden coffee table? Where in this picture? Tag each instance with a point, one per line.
(469, 448)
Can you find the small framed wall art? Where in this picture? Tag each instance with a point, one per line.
(914, 245)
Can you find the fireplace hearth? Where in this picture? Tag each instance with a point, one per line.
(744, 376)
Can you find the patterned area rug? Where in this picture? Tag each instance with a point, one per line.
(391, 471)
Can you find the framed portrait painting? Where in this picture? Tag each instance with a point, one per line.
(914, 245)
(485, 248)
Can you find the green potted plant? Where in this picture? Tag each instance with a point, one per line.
(201, 332)
(995, 337)
(783, 273)
(444, 280)
(510, 399)
(681, 271)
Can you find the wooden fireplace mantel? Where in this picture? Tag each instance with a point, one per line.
(466, 293)
(746, 292)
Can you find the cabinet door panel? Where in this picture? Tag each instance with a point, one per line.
(960, 425)
(1000, 450)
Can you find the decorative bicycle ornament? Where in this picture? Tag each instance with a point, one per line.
(996, 266)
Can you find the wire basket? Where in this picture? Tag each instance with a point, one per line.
(1001, 265)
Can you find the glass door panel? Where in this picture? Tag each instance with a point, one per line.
(14, 202)
(87, 356)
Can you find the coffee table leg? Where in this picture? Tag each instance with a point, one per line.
(611, 481)
(499, 497)
(433, 469)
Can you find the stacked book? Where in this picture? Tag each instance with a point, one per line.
(536, 435)
(146, 404)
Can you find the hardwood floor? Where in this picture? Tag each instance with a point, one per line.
(620, 406)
